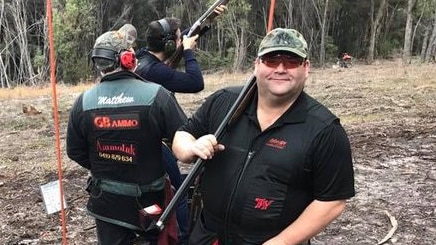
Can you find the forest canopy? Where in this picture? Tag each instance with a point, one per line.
(368, 30)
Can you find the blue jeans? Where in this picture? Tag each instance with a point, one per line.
(182, 212)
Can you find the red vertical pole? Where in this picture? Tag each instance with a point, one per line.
(271, 15)
(55, 113)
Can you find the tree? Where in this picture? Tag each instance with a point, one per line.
(429, 45)
(365, 29)
(16, 65)
(322, 22)
(74, 30)
(375, 21)
(408, 32)
(236, 26)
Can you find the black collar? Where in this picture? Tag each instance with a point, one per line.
(121, 75)
(295, 114)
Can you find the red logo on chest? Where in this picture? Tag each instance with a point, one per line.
(262, 203)
(276, 143)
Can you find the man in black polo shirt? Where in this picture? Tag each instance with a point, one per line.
(284, 170)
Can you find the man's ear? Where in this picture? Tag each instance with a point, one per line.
(307, 67)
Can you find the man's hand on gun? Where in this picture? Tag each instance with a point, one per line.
(189, 42)
(220, 10)
(206, 146)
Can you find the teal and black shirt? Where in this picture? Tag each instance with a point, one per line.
(115, 130)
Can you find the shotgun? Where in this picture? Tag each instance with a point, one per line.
(195, 29)
(232, 115)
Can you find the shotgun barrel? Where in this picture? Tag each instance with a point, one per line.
(195, 29)
(232, 115)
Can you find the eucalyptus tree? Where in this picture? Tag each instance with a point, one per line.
(75, 25)
(408, 32)
(237, 27)
(21, 25)
(366, 29)
(321, 9)
(429, 44)
(375, 17)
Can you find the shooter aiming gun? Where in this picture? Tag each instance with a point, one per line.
(232, 115)
(195, 29)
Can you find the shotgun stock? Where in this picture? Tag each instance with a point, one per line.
(232, 115)
(195, 29)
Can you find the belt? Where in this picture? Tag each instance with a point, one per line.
(129, 189)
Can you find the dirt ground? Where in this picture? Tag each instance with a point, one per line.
(388, 110)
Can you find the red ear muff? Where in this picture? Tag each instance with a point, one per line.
(127, 60)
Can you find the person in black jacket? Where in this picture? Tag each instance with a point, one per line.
(115, 130)
(283, 171)
(163, 37)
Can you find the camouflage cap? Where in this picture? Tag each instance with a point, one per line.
(121, 39)
(288, 40)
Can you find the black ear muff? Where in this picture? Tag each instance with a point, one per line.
(103, 53)
(127, 59)
(169, 39)
(104, 59)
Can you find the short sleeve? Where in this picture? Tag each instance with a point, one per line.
(332, 164)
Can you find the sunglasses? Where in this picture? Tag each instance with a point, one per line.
(289, 62)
